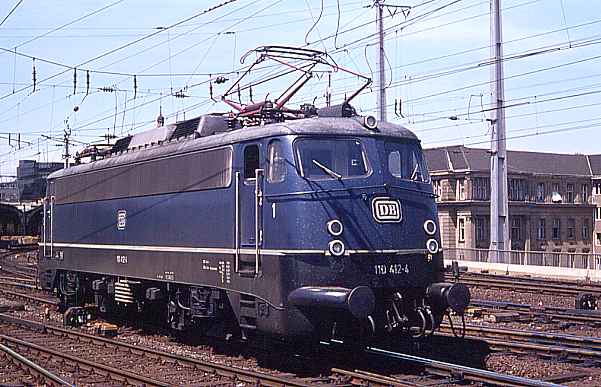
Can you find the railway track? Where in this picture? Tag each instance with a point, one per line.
(529, 285)
(89, 358)
(41, 298)
(93, 359)
(550, 345)
(452, 373)
(546, 313)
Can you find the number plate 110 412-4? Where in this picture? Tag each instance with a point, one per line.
(392, 269)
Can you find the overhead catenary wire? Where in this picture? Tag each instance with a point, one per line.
(129, 44)
(193, 72)
(62, 26)
(13, 9)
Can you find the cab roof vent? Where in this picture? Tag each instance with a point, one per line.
(342, 110)
(211, 124)
(185, 128)
(121, 144)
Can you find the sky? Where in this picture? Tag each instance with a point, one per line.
(132, 57)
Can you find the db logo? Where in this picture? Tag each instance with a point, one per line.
(386, 210)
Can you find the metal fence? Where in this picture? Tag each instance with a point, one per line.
(530, 258)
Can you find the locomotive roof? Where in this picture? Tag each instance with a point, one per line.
(318, 126)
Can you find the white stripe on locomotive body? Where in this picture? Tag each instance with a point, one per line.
(217, 250)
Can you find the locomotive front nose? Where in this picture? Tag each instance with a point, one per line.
(442, 295)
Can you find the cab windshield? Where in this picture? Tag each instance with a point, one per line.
(331, 158)
(406, 161)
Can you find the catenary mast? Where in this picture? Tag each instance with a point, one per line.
(499, 211)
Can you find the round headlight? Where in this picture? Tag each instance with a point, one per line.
(432, 246)
(336, 248)
(430, 227)
(335, 227)
(370, 122)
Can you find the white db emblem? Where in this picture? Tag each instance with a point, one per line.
(386, 210)
(121, 219)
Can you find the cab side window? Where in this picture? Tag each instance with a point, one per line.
(276, 168)
(251, 161)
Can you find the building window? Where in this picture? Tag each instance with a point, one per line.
(598, 213)
(599, 239)
(556, 195)
(437, 188)
(586, 231)
(570, 193)
(517, 189)
(480, 188)
(597, 188)
(460, 192)
(516, 229)
(584, 193)
(556, 229)
(480, 228)
(540, 230)
(461, 229)
(540, 192)
(571, 228)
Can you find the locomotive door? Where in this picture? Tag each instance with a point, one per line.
(249, 204)
(48, 221)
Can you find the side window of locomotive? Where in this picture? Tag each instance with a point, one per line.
(332, 158)
(276, 167)
(251, 161)
(406, 161)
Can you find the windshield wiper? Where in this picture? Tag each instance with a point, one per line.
(415, 172)
(327, 170)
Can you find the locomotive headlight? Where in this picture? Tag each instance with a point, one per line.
(335, 227)
(432, 246)
(370, 122)
(336, 248)
(430, 227)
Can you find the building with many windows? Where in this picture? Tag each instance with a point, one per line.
(554, 199)
(31, 178)
(595, 162)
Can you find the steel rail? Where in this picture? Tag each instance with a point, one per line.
(240, 374)
(532, 285)
(359, 377)
(129, 376)
(444, 369)
(14, 279)
(571, 346)
(473, 374)
(40, 371)
(554, 312)
(30, 297)
(18, 285)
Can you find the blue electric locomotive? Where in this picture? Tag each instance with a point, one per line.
(318, 227)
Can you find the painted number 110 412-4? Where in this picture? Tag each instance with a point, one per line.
(393, 268)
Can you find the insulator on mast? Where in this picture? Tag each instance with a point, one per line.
(87, 82)
(33, 74)
(135, 86)
(74, 80)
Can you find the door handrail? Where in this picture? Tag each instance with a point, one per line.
(258, 228)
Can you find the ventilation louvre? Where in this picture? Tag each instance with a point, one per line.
(185, 128)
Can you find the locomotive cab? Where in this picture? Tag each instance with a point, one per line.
(352, 211)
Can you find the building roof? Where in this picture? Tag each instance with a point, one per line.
(459, 157)
(595, 162)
